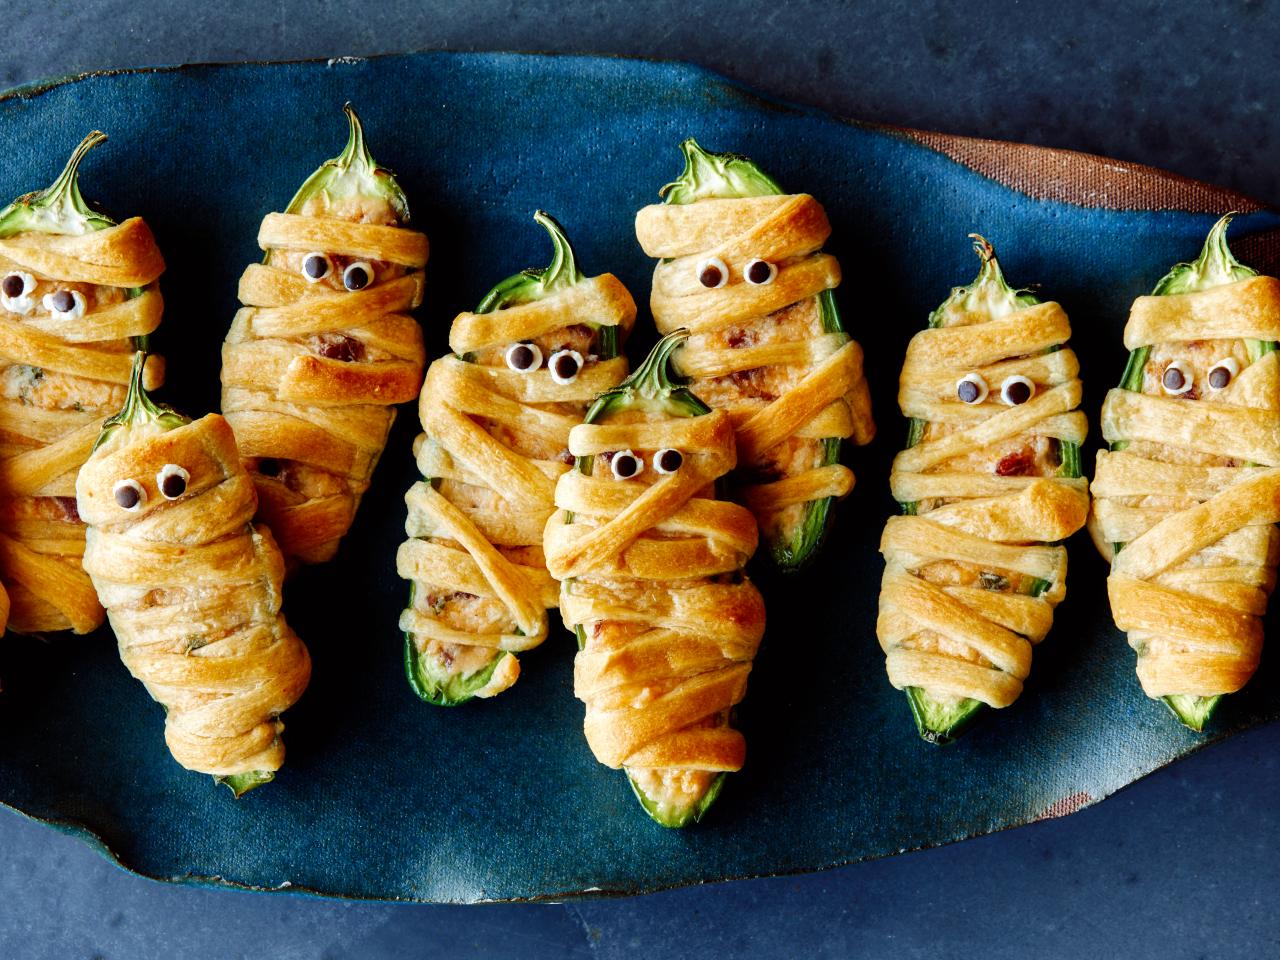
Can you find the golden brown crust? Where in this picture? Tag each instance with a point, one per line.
(823, 393)
(67, 374)
(651, 575)
(967, 634)
(494, 443)
(289, 402)
(1195, 498)
(193, 592)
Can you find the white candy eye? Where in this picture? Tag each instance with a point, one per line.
(64, 303)
(971, 388)
(129, 495)
(668, 460)
(172, 480)
(712, 272)
(357, 276)
(564, 366)
(316, 266)
(759, 272)
(1223, 372)
(625, 465)
(1016, 389)
(17, 284)
(1177, 379)
(523, 357)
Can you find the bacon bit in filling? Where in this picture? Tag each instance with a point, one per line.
(337, 346)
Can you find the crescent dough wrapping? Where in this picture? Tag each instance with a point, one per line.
(770, 354)
(668, 626)
(324, 346)
(192, 589)
(1193, 490)
(63, 373)
(495, 440)
(969, 584)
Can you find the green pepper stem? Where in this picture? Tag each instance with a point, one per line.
(138, 406)
(1215, 266)
(59, 207)
(563, 268)
(65, 191)
(717, 175)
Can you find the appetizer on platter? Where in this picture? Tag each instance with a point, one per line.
(989, 481)
(497, 414)
(324, 346)
(192, 587)
(1188, 495)
(77, 294)
(650, 564)
(742, 269)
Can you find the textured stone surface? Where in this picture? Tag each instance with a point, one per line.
(1179, 865)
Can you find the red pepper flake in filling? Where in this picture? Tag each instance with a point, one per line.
(1020, 463)
(70, 509)
(337, 346)
(752, 383)
(740, 338)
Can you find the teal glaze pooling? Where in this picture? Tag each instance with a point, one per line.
(383, 798)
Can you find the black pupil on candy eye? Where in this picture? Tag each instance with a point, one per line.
(967, 391)
(522, 357)
(625, 465)
(1018, 392)
(63, 301)
(315, 266)
(566, 367)
(1219, 377)
(670, 460)
(758, 272)
(127, 496)
(173, 485)
(12, 285)
(1173, 378)
(355, 278)
(710, 275)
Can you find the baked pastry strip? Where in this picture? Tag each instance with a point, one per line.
(324, 347)
(191, 586)
(496, 417)
(77, 293)
(742, 269)
(1189, 493)
(650, 564)
(990, 480)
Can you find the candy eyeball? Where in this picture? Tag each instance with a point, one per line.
(713, 272)
(129, 495)
(172, 481)
(15, 292)
(625, 465)
(971, 388)
(316, 266)
(64, 303)
(759, 272)
(523, 357)
(1223, 372)
(1016, 389)
(1177, 379)
(668, 460)
(565, 366)
(357, 276)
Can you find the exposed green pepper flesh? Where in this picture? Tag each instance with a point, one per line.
(527, 286)
(708, 175)
(140, 410)
(1215, 267)
(939, 722)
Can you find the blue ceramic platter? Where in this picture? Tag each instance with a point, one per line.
(385, 797)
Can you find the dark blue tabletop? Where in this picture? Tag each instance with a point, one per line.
(1179, 865)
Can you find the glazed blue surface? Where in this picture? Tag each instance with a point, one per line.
(384, 797)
